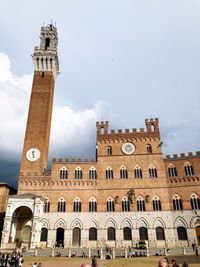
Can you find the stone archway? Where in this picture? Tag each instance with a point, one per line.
(21, 226)
(60, 232)
(197, 229)
(76, 237)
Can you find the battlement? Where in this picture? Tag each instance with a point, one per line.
(72, 160)
(183, 156)
(151, 126)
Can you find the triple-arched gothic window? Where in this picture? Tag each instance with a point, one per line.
(61, 205)
(140, 204)
(78, 173)
(195, 202)
(77, 205)
(63, 173)
(123, 173)
(177, 203)
(138, 172)
(156, 204)
(109, 173)
(172, 172)
(92, 173)
(110, 205)
(152, 172)
(189, 170)
(92, 205)
(125, 204)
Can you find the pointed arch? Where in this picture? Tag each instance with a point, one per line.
(111, 223)
(126, 223)
(76, 224)
(180, 221)
(158, 222)
(60, 223)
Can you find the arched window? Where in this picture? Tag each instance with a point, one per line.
(138, 172)
(47, 43)
(109, 173)
(111, 233)
(109, 150)
(152, 127)
(172, 172)
(156, 204)
(143, 232)
(182, 233)
(78, 173)
(44, 234)
(61, 205)
(125, 204)
(189, 171)
(92, 173)
(110, 205)
(123, 173)
(127, 233)
(92, 234)
(177, 203)
(63, 173)
(92, 205)
(195, 202)
(152, 172)
(149, 149)
(77, 205)
(46, 206)
(160, 233)
(140, 204)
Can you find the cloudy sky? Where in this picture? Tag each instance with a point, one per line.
(121, 61)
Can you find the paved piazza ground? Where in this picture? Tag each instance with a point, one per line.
(136, 262)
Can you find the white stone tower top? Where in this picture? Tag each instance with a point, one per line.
(45, 57)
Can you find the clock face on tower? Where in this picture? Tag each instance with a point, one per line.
(128, 148)
(33, 154)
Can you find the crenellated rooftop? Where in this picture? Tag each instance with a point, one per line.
(182, 156)
(152, 129)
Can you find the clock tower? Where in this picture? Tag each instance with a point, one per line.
(46, 68)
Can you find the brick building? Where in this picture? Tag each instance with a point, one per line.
(129, 192)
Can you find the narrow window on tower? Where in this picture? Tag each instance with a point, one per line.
(149, 149)
(109, 150)
(47, 43)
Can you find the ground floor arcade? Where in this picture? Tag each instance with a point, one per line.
(27, 225)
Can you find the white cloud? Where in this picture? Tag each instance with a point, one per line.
(71, 129)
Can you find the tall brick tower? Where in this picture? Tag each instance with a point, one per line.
(46, 67)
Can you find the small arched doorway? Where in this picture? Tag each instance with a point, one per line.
(76, 237)
(21, 226)
(44, 237)
(197, 229)
(60, 237)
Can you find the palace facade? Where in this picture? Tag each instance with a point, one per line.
(129, 192)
